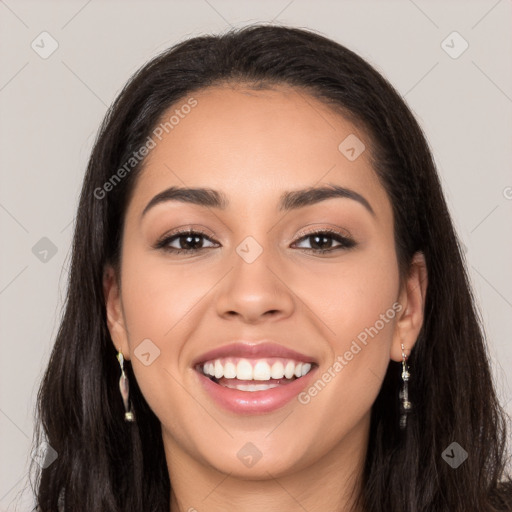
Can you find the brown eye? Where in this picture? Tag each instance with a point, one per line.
(187, 241)
(322, 241)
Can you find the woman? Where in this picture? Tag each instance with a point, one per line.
(267, 307)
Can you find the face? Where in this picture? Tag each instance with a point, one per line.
(252, 272)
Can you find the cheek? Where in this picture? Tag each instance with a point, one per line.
(158, 296)
(350, 296)
(357, 303)
(159, 304)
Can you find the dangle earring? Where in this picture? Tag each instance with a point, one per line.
(125, 389)
(404, 393)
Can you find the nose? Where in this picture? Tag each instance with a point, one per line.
(255, 292)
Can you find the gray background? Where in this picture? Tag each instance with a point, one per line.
(51, 109)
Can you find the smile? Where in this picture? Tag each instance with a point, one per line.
(244, 385)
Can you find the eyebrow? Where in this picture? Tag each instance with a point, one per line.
(290, 200)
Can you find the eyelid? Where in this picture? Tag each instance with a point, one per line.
(180, 230)
(335, 230)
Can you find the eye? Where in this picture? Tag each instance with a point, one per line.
(191, 241)
(188, 241)
(322, 241)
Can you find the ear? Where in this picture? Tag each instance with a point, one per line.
(412, 299)
(115, 316)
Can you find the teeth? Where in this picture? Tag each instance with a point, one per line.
(277, 370)
(229, 370)
(219, 371)
(289, 371)
(261, 369)
(243, 370)
(305, 369)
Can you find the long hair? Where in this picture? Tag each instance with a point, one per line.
(107, 465)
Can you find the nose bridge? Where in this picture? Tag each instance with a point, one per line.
(253, 287)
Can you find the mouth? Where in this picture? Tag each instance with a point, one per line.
(246, 385)
(254, 374)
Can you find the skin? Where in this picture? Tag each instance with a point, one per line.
(253, 146)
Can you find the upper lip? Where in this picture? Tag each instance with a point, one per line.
(254, 350)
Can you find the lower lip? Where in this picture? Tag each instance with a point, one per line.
(255, 402)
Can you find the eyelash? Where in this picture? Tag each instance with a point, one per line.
(346, 242)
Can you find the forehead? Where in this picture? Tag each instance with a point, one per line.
(253, 145)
